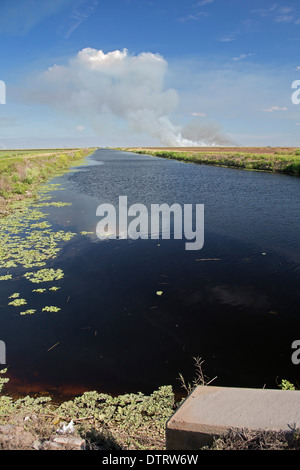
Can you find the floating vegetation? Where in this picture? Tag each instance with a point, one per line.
(6, 277)
(41, 225)
(63, 236)
(51, 309)
(54, 204)
(44, 275)
(18, 302)
(27, 240)
(30, 311)
(86, 233)
(14, 296)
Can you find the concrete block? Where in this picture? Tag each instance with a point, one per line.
(210, 412)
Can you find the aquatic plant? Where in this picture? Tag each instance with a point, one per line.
(24, 245)
(30, 311)
(27, 240)
(41, 225)
(18, 302)
(51, 309)
(44, 275)
(14, 296)
(6, 277)
(54, 204)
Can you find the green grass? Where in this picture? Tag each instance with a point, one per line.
(24, 152)
(21, 171)
(288, 163)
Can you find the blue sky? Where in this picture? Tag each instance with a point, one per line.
(141, 72)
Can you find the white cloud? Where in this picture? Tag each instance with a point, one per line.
(229, 37)
(197, 16)
(197, 114)
(279, 14)
(81, 13)
(143, 100)
(285, 10)
(273, 109)
(284, 18)
(241, 57)
(202, 3)
(265, 11)
(117, 92)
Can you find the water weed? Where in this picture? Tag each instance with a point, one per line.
(44, 275)
(28, 242)
(30, 311)
(18, 302)
(51, 308)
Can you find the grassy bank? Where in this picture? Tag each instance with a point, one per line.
(126, 422)
(103, 422)
(22, 171)
(278, 160)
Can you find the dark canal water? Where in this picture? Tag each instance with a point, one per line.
(234, 303)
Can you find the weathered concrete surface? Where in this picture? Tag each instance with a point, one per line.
(212, 411)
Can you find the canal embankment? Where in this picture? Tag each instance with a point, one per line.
(22, 171)
(277, 160)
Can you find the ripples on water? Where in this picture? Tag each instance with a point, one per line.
(235, 303)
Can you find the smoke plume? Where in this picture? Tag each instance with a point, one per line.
(120, 89)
